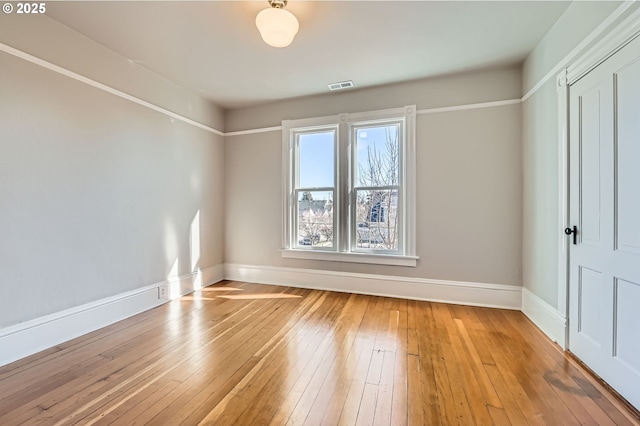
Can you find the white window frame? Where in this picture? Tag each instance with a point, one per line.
(344, 219)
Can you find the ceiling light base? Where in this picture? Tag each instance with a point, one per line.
(278, 4)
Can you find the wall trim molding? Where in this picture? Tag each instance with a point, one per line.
(563, 63)
(253, 131)
(563, 192)
(433, 290)
(615, 40)
(452, 108)
(547, 318)
(101, 86)
(468, 106)
(213, 274)
(27, 338)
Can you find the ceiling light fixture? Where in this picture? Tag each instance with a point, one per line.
(277, 26)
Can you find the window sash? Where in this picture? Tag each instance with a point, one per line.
(353, 229)
(374, 231)
(353, 145)
(293, 206)
(296, 224)
(297, 134)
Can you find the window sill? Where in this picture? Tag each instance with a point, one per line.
(377, 259)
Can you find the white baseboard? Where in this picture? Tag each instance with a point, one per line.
(457, 292)
(545, 317)
(212, 275)
(21, 340)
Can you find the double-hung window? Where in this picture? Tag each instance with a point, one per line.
(349, 187)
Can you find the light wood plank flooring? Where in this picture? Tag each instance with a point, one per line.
(248, 354)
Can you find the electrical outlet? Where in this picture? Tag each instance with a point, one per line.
(162, 292)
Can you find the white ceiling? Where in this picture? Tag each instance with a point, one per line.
(213, 47)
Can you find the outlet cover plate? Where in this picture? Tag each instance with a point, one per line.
(162, 292)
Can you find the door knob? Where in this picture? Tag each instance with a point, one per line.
(573, 231)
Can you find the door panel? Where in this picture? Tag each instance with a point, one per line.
(627, 344)
(589, 104)
(589, 318)
(627, 94)
(604, 267)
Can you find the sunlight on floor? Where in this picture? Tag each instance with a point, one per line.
(216, 289)
(196, 297)
(260, 296)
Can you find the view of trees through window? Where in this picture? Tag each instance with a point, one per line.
(315, 218)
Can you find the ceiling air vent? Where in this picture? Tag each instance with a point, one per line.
(341, 85)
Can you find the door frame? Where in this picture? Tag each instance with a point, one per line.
(615, 40)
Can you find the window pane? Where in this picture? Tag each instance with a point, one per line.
(377, 155)
(315, 218)
(315, 159)
(377, 224)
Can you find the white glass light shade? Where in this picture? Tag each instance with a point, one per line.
(277, 26)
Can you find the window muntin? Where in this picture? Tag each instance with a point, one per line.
(360, 206)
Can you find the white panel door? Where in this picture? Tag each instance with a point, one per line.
(604, 268)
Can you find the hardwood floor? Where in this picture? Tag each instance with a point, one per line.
(248, 354)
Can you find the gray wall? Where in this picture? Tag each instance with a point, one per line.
(541, 225)
(469, 185)
(47, 39)
(97, 193)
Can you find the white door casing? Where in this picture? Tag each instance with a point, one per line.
(604, 265)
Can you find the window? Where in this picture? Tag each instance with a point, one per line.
(349, 187)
